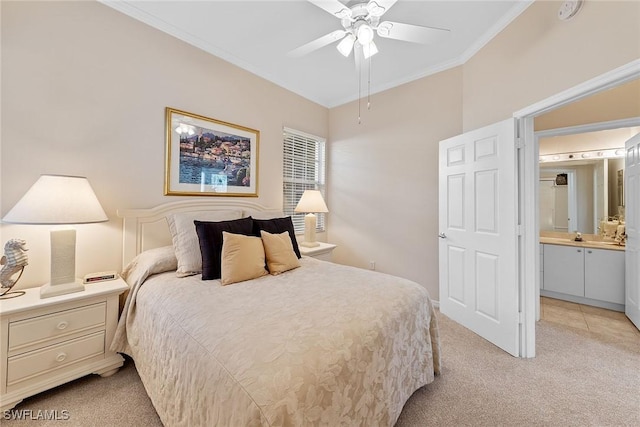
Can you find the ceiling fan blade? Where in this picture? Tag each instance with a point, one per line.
(379, 7)
(334, 7)
(317, 43)
(410, 33)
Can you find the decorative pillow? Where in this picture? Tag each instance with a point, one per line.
(242, 258)
(151, 261)
(210, 237)
(185, 239)
(279, 252)
(277, 226)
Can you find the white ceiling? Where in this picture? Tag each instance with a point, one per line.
(256, 36)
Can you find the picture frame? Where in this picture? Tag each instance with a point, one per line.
(209, 157)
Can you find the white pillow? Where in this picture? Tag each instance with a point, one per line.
(151, 261)
(185, 238)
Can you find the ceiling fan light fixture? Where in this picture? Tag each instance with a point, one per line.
(346, 45)
(364, 34)
(369, 49)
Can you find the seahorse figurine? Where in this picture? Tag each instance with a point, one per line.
(14, 260)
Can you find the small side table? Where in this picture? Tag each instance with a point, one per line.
(51, 341)
(321, 252)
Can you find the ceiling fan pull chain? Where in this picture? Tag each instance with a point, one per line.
(359, 71)
(369, 86)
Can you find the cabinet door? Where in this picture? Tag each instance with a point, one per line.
(604, 275)
(564, 269)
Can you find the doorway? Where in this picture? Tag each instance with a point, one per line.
(528, 184)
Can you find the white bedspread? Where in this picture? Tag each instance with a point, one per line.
(323, 344)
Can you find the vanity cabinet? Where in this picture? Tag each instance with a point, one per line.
(564, 269)
(604, 275)
(594, 274)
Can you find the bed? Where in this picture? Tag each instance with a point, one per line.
(320, 344)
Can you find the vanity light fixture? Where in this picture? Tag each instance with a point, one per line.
(583, 155)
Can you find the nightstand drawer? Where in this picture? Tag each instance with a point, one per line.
(39, 330)
(35, 363)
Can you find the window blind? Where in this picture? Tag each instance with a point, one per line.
(303, 169)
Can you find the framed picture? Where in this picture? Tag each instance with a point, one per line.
(208, 157)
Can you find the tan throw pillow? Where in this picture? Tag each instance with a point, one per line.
(279, 252)
(242, 258)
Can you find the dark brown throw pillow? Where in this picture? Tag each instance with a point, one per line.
(277, 226)
(210, 238)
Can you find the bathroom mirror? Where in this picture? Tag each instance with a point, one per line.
(592, 193)
(593, 163)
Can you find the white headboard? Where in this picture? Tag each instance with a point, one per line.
(144, 229)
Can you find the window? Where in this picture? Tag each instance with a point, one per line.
(303, 169)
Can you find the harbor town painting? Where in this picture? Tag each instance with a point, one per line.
(206, 156)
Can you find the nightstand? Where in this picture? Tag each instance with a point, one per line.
(322, 252)
(48, 342)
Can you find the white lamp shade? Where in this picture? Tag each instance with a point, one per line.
(311, 201)
(58, 199)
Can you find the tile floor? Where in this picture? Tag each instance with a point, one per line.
(598, 323)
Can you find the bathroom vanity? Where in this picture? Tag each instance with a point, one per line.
(589, 272)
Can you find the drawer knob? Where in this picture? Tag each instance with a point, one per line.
(63, 325)
(60, 357)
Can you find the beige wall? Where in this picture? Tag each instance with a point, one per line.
(383, 177)
(538, 55)
(535, 57)
(84, 89)
(620, 102)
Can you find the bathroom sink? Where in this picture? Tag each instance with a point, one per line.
(583, 242)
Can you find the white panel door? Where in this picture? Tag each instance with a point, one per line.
(478, 241)
(632, 219)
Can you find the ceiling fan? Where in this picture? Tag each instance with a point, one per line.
(360, 23)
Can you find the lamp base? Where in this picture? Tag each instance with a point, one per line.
(49, 290)
(309, 244)
(309, 231)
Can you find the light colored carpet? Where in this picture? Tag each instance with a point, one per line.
(574, 381)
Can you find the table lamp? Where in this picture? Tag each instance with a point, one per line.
(59, 199)
(311, 202)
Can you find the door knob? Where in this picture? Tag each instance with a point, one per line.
(442, 236)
